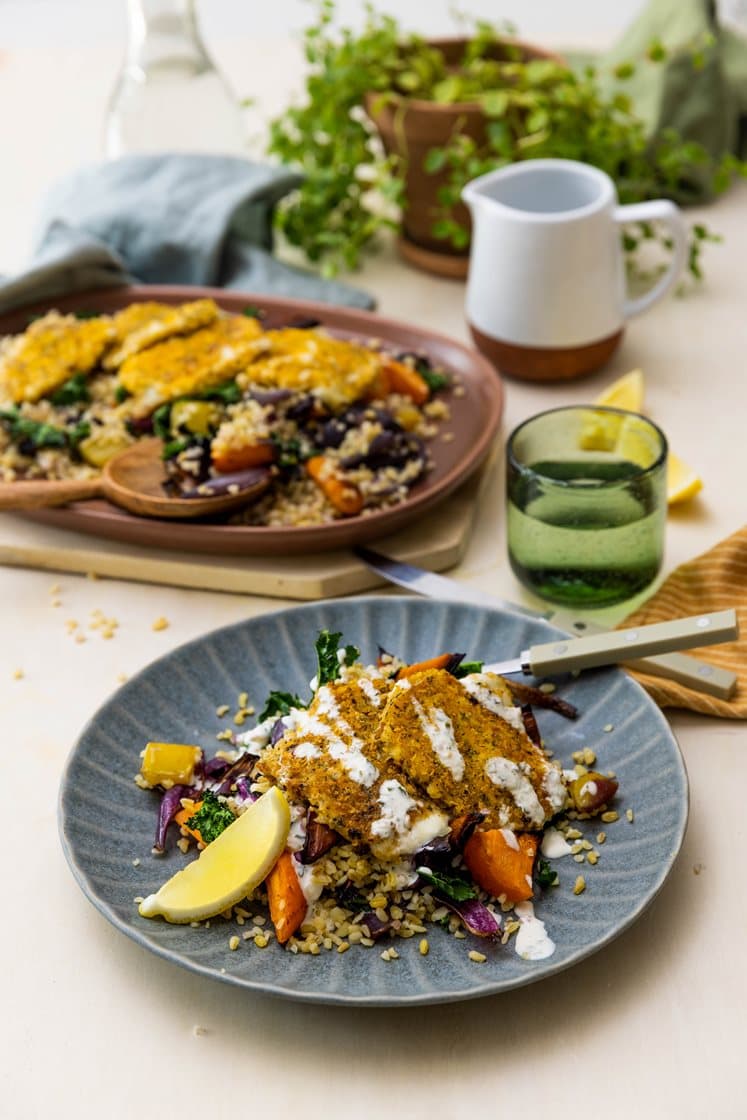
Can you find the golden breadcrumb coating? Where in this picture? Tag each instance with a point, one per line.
(187, 365)
(50, 351)
(143, 324)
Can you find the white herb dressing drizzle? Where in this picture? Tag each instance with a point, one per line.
(297, 834)
(369, 690)
(554, 844)
(397, 805)
(478, 685)
(510, 837)
(532, 942)
(588, 789)
(258, 737)
(306, 750)
(440, 732)
(349, 754)
(509, 776)
(311, 888)
(555, 788)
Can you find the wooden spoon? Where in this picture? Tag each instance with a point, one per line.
(134, 480)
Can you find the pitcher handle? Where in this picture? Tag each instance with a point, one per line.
(657, 210)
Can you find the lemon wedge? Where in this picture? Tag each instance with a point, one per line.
(626, 392)
(682, 481)
(227, 870)
(601, 431)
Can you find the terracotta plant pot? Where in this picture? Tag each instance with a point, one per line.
(409, 128)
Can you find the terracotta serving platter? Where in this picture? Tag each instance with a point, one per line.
(462, 444)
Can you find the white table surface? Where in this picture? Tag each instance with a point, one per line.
(94, 1026)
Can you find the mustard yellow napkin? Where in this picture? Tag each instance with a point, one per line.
(715, 581)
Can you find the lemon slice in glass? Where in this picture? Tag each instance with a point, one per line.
(227, 870)
(682, 481)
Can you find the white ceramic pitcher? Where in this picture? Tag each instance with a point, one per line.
(546, 293)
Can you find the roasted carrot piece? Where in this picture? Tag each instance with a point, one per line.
(242, 458)
(404, 379)
(499, 867)
(344, 496)
(442, 661)
(184, 815)
(286, 900)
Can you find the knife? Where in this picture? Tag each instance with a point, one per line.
(699, 675)
(571, 654)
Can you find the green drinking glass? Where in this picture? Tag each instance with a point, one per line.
(586, 504)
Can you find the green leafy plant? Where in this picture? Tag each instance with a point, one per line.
(534, 109)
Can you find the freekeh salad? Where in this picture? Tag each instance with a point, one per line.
(398, 797)
(333, 427)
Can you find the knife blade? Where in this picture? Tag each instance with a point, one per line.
(699, 675)
(572, 654)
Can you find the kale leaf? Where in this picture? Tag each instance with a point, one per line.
(328, 665)
(161, 421)
(545, 875)
(434, 378)
(279, 704)
(451, 886)
(228, 393)
(466, 668)
(39, 435)
(72, 391)
(212, 818)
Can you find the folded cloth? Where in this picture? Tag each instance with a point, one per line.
(168, 218)
(715, 581)
(698, 88)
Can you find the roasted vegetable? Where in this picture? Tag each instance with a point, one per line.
(591, 791)
(344, 496)
(502, 862)
(169, 763)
(285, 898)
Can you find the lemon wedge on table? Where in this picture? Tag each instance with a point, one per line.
(227, 870)
(611, 433)
(682, 481)
(601, 431)
(626, 392)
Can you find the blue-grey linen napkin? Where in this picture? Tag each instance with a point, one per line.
(167, 218)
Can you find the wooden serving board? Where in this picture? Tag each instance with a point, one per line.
(436, 541)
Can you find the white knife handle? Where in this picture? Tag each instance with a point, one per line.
(680, 667)
(563, 656)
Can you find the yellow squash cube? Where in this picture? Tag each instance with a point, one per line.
(169, 764)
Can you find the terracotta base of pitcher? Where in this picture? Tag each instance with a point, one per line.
(542, 363)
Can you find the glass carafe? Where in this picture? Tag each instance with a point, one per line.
(170, 96)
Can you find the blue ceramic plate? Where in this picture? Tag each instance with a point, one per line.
(106, 821)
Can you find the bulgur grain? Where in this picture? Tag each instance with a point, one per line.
(478, 958)
(580, 885)
(160, 623)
